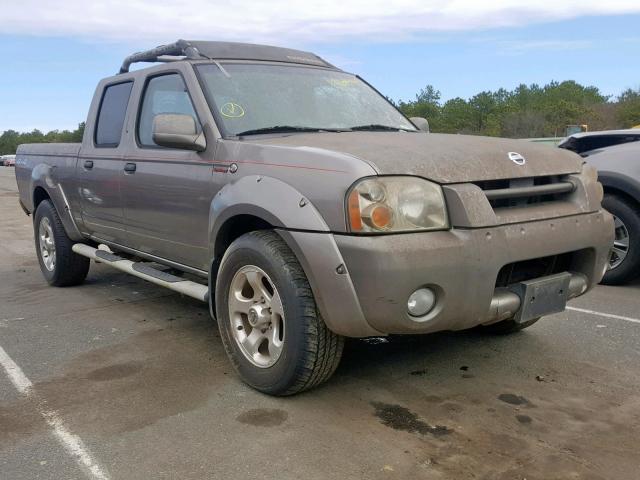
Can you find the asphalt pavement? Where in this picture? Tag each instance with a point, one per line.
(120, 379)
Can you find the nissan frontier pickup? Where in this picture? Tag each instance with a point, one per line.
(305, 208)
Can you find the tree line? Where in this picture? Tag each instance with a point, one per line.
(526, 111)
(10, 139)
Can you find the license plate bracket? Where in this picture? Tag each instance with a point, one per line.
(542, 296)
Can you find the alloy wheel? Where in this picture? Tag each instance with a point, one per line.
(257, 316)
(620, 244)
(47, 244)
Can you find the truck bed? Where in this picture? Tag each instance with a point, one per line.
(49, 149)
(50, 168)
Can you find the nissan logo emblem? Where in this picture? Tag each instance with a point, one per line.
(516, 158)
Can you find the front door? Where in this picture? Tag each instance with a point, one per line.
(167, 192)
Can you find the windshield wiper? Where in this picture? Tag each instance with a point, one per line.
(376, 127)
(286, 129)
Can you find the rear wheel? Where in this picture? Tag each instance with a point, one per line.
(60, 265)
(625, 254)
(268, 320)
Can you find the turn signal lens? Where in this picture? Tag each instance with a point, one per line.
(355, 219)
(378, 216)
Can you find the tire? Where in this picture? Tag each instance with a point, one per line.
(627, 222)
(507, 327)
(304, 352)
(68, 268)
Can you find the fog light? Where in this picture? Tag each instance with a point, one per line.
(421, 302)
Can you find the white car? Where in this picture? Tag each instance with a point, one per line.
(8, 160)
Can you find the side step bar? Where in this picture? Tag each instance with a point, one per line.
(144, 271)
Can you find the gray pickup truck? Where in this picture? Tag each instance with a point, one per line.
(305, 208)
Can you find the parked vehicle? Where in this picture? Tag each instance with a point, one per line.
(311, 207)
(616, 155)
(8, 160)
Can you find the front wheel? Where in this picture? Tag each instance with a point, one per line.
(268, 320)
(60, 265)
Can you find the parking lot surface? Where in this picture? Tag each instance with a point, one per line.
(134, 377)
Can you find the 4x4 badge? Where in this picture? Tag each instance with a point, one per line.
(516, 158)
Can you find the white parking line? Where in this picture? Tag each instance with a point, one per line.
(72, 443)
(605, 315)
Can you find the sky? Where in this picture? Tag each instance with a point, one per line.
(54, 57)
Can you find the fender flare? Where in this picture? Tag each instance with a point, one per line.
(620, 182)
(267, 198)
(44, 176)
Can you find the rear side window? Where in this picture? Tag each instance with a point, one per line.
(164, 94)
(113, 109)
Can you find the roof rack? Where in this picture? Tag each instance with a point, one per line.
(198, 49)
(164, 53)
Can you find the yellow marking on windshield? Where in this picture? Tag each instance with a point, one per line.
(342, 82)
(232, 110)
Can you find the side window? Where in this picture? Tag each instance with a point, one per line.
(164, 94)
(113, 109)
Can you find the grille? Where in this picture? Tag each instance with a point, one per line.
(519, 192)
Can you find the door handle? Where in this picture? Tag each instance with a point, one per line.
(88, 164)
(130, 167)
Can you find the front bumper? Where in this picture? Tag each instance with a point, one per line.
(462, 266)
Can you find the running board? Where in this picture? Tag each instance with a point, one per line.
(144, 271)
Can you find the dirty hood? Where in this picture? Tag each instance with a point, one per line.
(439, 157)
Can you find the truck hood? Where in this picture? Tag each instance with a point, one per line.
(439, 157)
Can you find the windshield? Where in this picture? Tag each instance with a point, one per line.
(254, 98)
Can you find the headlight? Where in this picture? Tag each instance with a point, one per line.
(396, 204)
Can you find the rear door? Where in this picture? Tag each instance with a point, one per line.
(167, 192)
(100, 165)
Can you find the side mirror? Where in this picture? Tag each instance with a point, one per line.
(177, 131)
(420, 123)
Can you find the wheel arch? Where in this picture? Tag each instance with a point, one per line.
(231, 229)
(621, 185)
(59, 202)
(262, 202)
(39, 195)
(45, 186)
(254, 203)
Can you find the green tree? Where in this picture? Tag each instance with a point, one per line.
(456, 116)
(485, 108)
(628, 112)
(10, 139)
(526, 111)
(568, 103)
(426, 105)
